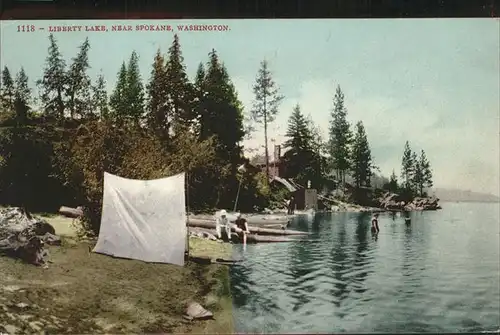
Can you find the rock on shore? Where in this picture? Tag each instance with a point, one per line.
(393, 201)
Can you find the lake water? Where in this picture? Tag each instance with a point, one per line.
(440, 273)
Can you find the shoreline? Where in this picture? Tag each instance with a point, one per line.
(85, 292)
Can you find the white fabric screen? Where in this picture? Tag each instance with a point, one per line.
(144, 219)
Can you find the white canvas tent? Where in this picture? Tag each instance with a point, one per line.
(144, 219)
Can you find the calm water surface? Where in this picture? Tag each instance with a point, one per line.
(440, 273)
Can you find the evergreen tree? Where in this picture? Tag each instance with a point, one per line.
(303, 162)
(178, 87)
(317, 141)
(340, 136)
(7, 91)
(79, 86)
(319, 148)
(199, 98)
(100, 98)
(134, 90)
(266, 103)
(393, 182)
(157, 110)
(53, 82)
(223, 112)
(118, 99)
(417, 176)
(407, 166)
(361, 157)
(415, 173)
(221, 122)
(298, 133)
(426, 172)
(22, 97)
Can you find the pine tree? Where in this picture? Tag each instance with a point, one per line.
(406, 166)
(302, 159)
(415, 173)
(158, 117)
(78, 83)
(298, 133)
(266, 103)
(340, 136)
(426, 172)
(199, 98)
(393, 182)
(361, 157)
(134, 90)
(178, 88)
(222, 122)
(7, 91)
(22, 97)
(118, 100)
(417, 176)
(318, 144)
(53, 82)
(100, 98)
(223, 112)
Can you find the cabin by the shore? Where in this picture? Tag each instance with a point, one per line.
(305, 198)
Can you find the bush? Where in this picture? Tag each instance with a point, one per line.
(48, 164)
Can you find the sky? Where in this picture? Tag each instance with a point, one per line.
(435, 82)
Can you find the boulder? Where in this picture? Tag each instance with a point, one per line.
(392, 201)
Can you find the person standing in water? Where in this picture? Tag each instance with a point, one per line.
(291, 205)
(375, 228)
(407, 217)
(242, 224)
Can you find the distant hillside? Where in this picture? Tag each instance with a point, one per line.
(463, 196)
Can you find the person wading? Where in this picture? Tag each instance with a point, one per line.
(291, 205)
(375, 228)
(242, 224)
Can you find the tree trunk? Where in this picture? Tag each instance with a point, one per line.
(60, 104)
(265, 145)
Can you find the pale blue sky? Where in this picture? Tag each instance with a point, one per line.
(432, 82)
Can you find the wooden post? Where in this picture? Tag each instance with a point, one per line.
(187, 216)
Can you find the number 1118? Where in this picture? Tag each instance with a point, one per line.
(25, 28)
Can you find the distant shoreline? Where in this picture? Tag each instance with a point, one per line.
(470, 201)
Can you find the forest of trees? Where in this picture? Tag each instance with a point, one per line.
(56, 145)
(416, 173)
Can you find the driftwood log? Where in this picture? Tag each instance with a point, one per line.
(24, 236)
(71, 212)
(202, 223)
(255, 220)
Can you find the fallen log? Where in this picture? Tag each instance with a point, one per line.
(250, 219)
(255, 230)
(235, 238)
(71, 212)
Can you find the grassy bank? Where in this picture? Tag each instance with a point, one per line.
(83, 292)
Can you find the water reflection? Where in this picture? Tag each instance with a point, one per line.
(338, 261)
(302, 265)
(413, 275)
(361, 260)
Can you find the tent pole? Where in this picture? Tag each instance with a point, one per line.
(237, 196)
(187, 216)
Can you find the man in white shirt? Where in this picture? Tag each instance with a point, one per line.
(223, 222)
